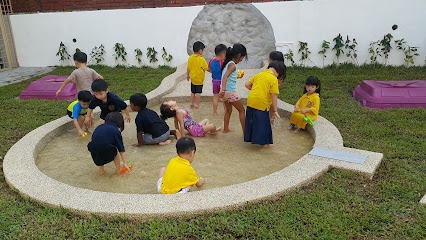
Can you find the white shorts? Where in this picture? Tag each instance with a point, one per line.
(160, 182)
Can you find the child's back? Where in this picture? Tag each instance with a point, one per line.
(83, 77)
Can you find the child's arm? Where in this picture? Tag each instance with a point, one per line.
(200, 182)
(274, 106)
(176, 124)
(187, 74)
(248, 85)
(306, 110)
(179, 116)
(123, 158)
(231, 68)
(140, 139)
(63, 85)
(79, 130)
(126, 111)
(88, 121)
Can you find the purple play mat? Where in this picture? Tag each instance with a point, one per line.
(391, 94)
(46, 87)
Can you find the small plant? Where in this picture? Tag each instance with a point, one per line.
(338, 45)
(303, 48)
(352, 52)
(166, 56)
(97, 54)
(151, 54)
(385, 46)
(120, 52)
(324, 46)
(374, 52)
(289, 56)
(63, 53)
(409, 52)
(138, 55)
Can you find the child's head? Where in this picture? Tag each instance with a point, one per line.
(138, 102)
(80, 57)
(116, 118)
(100, 88)
(280, 68)
(198, 47)
(186, 146)
(312, 85)
(220, 52)
(235, 53)
(84, 98)
(276, 55)
(168, 109)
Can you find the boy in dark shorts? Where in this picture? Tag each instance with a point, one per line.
(107, 142)
(150, 128)
(106, 100)
(196, 69)
(77, 109)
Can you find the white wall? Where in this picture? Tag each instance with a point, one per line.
(37, 36)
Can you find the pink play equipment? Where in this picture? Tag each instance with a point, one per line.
(391, 94)
(46, 87)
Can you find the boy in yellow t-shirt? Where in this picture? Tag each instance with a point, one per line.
(196, 69)
(179, 176)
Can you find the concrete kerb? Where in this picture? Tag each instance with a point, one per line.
(22, 174)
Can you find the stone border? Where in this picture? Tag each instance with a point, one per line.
(22, 174)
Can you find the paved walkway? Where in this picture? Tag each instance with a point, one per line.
(21, 73)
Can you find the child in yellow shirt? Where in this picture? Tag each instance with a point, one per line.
(308, 104)
(196, 69)
(179, 176)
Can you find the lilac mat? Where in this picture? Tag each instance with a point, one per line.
(391, 94)
(46, 87)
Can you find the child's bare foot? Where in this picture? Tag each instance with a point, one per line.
(215, 132)
(296, 131)
(214, 113)
(197, 106)
(168, 141)
(227, 130)
(192, 105)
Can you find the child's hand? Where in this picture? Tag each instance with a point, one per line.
(188, 78)
(57, 92)
(127, 118)
(221, 94)
(303, 111)
(80, 133)
(296, 108)
(127, 167)
(277, 115)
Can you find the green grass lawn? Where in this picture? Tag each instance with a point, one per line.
(339, 205)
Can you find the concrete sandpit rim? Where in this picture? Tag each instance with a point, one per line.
(22, 174)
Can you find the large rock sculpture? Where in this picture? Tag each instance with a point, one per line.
(233, 23)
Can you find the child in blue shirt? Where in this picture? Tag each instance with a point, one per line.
(107, 101)
(107, 141)
(150, 128)
(215, 67)
(77, 109)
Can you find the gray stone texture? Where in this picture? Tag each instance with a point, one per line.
(233, 23)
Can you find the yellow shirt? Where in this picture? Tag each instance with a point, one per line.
(179, 174)
(197, 66)
(264, 84)
(312, 102)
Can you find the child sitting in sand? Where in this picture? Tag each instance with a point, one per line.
(179, 176)
(107, 141)
(184, 121)
(77, 109)
(149, 127)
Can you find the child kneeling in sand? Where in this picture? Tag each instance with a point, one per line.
(179, 176)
